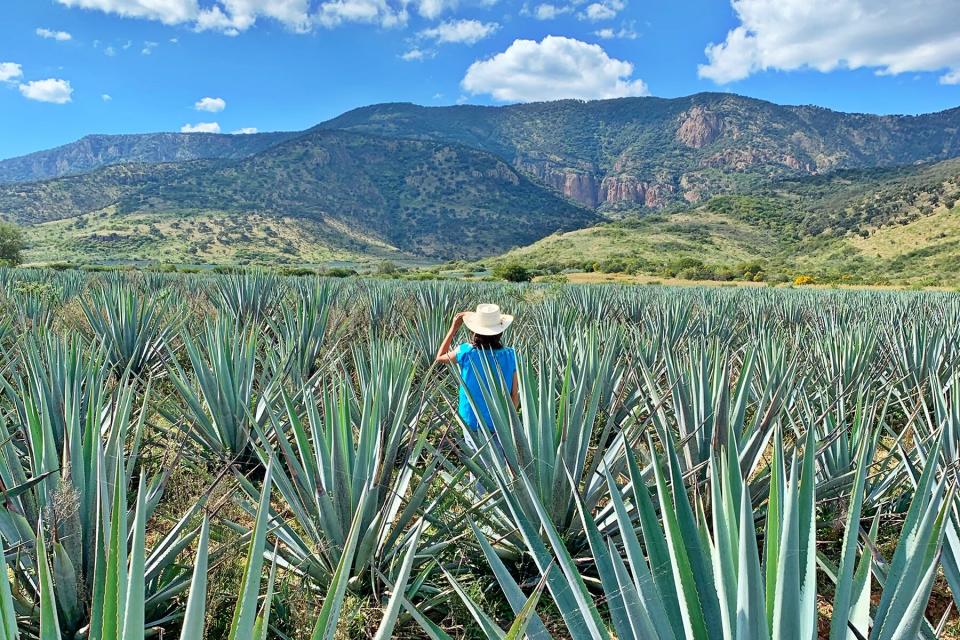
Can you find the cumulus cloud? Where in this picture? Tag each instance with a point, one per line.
(213, 105)
(416, 54)
(10, 71)
(245, 131)
(554, 68)
(234, 16)
(201, 127)
(623, 33)
(336, 12)
(228, 16)
(61, 36)
(465, 31)
(50, 90)
(431, 9)
(604, 10)
(165, 11)
(547, 11)
(106, 97)
(951, 78)
(891, 36)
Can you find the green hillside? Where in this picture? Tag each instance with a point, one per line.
(866, 226)
(704, 184)
(629, 153)
(355, 192)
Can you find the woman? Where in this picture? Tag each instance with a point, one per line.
(484, 353)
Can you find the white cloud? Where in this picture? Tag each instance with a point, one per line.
(604, 10)
(431, 9)
(466, 31)
(951, 78)
(49, 90)
(416, 54)
(234, 16)
(554, 68)
(61, 36)
(201, 127)
(245, 131)
(213, 105)
(547, 11)
(110, 51)
(336, 12)
(106, 97)
(148, 47)
(166, 11)
(891, 36)
(10, 71)
(624, 33)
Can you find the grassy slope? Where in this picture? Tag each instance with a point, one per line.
(874, 226)
(710, 237)
(207, 237)
(925, 250)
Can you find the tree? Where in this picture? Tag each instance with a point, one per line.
(12, 244)
(512, 272)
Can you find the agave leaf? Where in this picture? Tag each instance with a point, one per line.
(393, 606)
(8, 615)
(133, 616)
(787, 611)
(694, 624)
(49, 622)
(527, 613)
(67, 591)
(196, 602)
(535, 629)
(244, 615)
(751, 610)
(844, 596)
(262, 625)
(326, 625)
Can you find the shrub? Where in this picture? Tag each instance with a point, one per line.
(512, 273)
(339, 272)
(12, 244)
(802, 280)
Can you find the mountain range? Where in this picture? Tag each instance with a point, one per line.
(460, 182)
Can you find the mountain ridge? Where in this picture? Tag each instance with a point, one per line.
(468, 181)
(94, 151)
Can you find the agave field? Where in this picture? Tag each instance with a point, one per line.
(251, 457)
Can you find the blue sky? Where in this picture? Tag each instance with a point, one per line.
(73, 67)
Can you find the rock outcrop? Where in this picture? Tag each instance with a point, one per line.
(699, 127)
(578, 185)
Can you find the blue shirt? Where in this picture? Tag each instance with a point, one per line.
(474, 364)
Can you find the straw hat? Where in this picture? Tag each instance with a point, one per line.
(487, 320)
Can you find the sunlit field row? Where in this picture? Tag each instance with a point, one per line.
(250, 456)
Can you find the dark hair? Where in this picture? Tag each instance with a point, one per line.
(487, 342)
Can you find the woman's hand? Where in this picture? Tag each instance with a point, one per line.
(444, 353)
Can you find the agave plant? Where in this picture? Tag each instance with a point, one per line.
(251, 620)
(303, 330)
(75, 498)
(689, 576)
(228, 399)
(248, 297)
(133, 328)
(351, 455)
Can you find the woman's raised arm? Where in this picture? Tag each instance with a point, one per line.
(445, 354)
